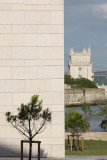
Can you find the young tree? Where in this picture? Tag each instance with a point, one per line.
(74, 122)
(87, 112)
(102, 111)
(30, 120)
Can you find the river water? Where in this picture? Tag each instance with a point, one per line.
(94, 122)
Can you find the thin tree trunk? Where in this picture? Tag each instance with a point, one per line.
(30, 141)
(73, 146)
(30, 149)
(78, 144)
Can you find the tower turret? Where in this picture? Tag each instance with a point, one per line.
(84, 51)
(71, 51)
(89, 50)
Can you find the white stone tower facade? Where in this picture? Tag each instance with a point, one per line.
(32, 62)
(80, 64)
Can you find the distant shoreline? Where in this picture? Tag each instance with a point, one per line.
(79, 105)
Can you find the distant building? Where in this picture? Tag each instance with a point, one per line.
(80, 64)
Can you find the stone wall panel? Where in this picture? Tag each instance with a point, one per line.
(32, 62)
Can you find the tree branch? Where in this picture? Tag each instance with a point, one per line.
(21, 132)
(22, 127)
(39, 130)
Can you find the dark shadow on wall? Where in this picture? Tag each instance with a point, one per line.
(14, 151)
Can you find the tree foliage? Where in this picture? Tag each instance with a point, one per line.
(104, 124)
(79, 82)
(102, 111)
(88, 113)
(68, 80)
(74, 122)
(30, 120)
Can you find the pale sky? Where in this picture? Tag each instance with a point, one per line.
(86, 22)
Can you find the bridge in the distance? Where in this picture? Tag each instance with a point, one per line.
(97, 74)
(102, 71)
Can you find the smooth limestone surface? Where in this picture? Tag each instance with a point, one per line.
(32, 62)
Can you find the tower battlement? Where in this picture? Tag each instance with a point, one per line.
(80, 58)
(84, 52)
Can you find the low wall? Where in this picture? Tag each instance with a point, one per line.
(92, 136)
(104, 87)
(78, 96)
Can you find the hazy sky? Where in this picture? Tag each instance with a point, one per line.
(86, 22)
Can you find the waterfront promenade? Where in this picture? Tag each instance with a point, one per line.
(66, 158)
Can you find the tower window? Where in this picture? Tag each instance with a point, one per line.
(79, 68)
(80, 76)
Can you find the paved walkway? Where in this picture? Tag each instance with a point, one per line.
(66, 158)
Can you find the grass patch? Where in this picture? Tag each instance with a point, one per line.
(91, 147)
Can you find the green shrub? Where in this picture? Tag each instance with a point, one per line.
(79, 82)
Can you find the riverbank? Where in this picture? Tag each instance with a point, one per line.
(81, 104)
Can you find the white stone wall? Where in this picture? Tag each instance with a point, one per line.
(104, 87)
(32, 62)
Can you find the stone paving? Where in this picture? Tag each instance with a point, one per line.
(66, 158)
